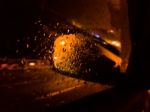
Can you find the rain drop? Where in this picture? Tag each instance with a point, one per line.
(57, 24)
(68, 31)
(89, 69)
(33, 50)
(18, 40)
(44, 34)
(17, 51)
(70, 44)
(64, 50)
(35, 23)
(55, 34)
(39, 21)
(35, 38)
(49, 51)
(27, 45)
(50, 35)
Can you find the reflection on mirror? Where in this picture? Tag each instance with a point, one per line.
(80, 47)
(92, 42)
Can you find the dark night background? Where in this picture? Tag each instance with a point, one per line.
(17, 15)
(15, 19)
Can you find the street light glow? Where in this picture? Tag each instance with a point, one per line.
(31, 64)
(116, 43)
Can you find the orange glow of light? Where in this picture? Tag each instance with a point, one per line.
(62, 42)
(55, 58)
(116, 43)
(31, 64)
(111, 56)
(76, 24)
(111, 31)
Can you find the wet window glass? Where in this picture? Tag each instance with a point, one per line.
(59, 51)
(89, 39)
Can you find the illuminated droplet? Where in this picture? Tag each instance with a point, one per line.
(35, 38)
(55, 58)
(18, 40)
(39, 21)
(57, 24)
(31, 64)
(17, 51)
(116, 43)
(50, 35)
(55, 34)
(64, 50)
(27, 45)
(49, 51)
(44, 34)
(33, 50)
(62, 42)
(68, 31)
(111, 31)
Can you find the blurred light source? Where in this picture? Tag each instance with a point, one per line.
(55, 58)
(62, 42)
(31, 64)
(110, 31)
(97, 35)
(78, 25)
(116, 43)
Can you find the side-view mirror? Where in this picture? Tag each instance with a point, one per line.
(86, 53)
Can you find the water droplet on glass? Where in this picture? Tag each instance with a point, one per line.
(18, 40)
(91, 46)
(49, 51)
(55, 34)
(70, 44)
(50, 35)
(35, 38)
(17, 51)
(64, 50)
(27, 45)
(68, 31)
(39, 21)
(44, 34)
(33, 50)
(57, 23)
(89, 69)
